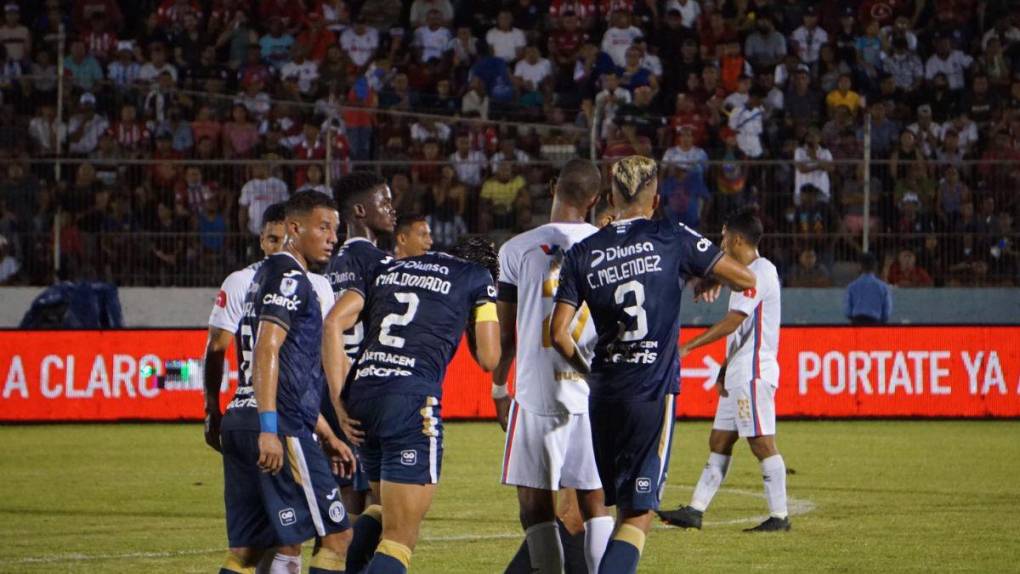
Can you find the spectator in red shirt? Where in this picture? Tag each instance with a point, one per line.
(690, 116)
(584, 10)
(291, 12)
(904, 272)
(316, 39)
(171, 13)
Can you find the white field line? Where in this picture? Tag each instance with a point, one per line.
(797, 507)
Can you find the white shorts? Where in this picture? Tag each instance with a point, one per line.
(549, 451)
(750, 409)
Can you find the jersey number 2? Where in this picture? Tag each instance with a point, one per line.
(409, 299)
(637, 310)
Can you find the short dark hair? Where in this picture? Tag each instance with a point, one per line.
(868, 262)
(406, 221)
(579, 182)
(304, 202)
(480, 250)
(275, 213)
(352, 188)
(746, 224)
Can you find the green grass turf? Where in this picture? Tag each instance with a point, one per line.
(880, 497)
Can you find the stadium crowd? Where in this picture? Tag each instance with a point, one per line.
(470, 105)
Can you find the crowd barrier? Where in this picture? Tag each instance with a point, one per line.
(844, 372)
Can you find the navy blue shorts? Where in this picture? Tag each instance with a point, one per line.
(359, 482)
(403, 438)
(298, 503)
(632, 442)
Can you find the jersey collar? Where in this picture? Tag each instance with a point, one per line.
(354, 239)
(291, 255)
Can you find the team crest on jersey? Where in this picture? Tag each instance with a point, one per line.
(288, 286)
(221, 299)
(409, 457)
(643, 485)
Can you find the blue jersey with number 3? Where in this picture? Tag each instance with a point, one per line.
(415, 314)
(631, 274)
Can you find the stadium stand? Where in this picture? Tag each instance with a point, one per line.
(171, 110)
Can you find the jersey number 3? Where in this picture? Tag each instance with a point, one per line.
(398, 319)
(637, 310)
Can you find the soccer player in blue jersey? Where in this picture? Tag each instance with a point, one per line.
(416, 311)
(279, 489)
(631, 275)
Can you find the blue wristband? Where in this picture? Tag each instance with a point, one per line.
(267, 421)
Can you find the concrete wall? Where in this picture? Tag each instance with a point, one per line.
(189, 307)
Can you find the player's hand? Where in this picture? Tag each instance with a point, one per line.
(720, 387)
(707, 291)
(212, 430)
(351, 427)
(270, 452)
(341, 457)
(502, 411)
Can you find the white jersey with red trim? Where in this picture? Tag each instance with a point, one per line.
(529, 272)
(753, 347)
(229, 307)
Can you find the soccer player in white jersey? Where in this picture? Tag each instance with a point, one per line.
(747, 382)
(548, 444)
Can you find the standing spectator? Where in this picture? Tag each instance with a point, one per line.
(261, 191)
(946, 60)
(813, 163)
(809, 38)
(619, 37)
(748, 121)
(868, 300)
(506, 41)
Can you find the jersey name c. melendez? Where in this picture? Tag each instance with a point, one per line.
(415, 315)
(282, 293)
(529, 271)
(753, 347)
(352, 268)
(631, 274)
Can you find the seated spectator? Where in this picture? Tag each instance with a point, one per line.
(843, 95)
(808, 273)
(239, 134)
(918, 185)
(9, 266)
(904, 271)
(533, 77)
(85, 127)
(432, 40)
(509, 152)
(914, 220)
(944, 103)
(84, 69)
(427, 171)
(609, 100)
(469, 164)
(730, 177)
(275, 44)
(809, 38)
(305, 71)
(764, 47)
(506, 42)
(475, 101)
(46, 131)
(952, 194)
(261, 191)
(502, 197)
(421, 11)
(619, 37)
(313, 180)
(951, 62)
(157, 65)
(317, 39)
(748, 123)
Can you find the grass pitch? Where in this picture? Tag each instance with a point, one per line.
(867, 497)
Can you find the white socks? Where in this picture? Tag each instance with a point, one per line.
(711, 479)
(597, 533)
(283, 564)
(545, 548)
(773, 471)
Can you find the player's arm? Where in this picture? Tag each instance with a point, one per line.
(216, 346)
(730, 323)
(343, 316)
(485, 344)
(562, 340)
(506, 311)
(733, 274)
(340, 456)
(265, 376)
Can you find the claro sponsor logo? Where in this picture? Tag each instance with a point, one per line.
(280, 301)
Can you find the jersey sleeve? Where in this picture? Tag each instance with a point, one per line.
(283, 296)
(570, 278)
(483, 288)
(324, 293)
(745, 301)
(509, 263)
(229, 305)
(698, 255)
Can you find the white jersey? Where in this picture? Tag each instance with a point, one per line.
(229, 307)
(753, 347)
(529, 270)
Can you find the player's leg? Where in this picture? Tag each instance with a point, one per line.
(249, 533)
(581, 473)
(368, 526)
(643, 439)
(411, 446)
(761, 436)
(404, 509)
(720, 445)
(532, 459)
